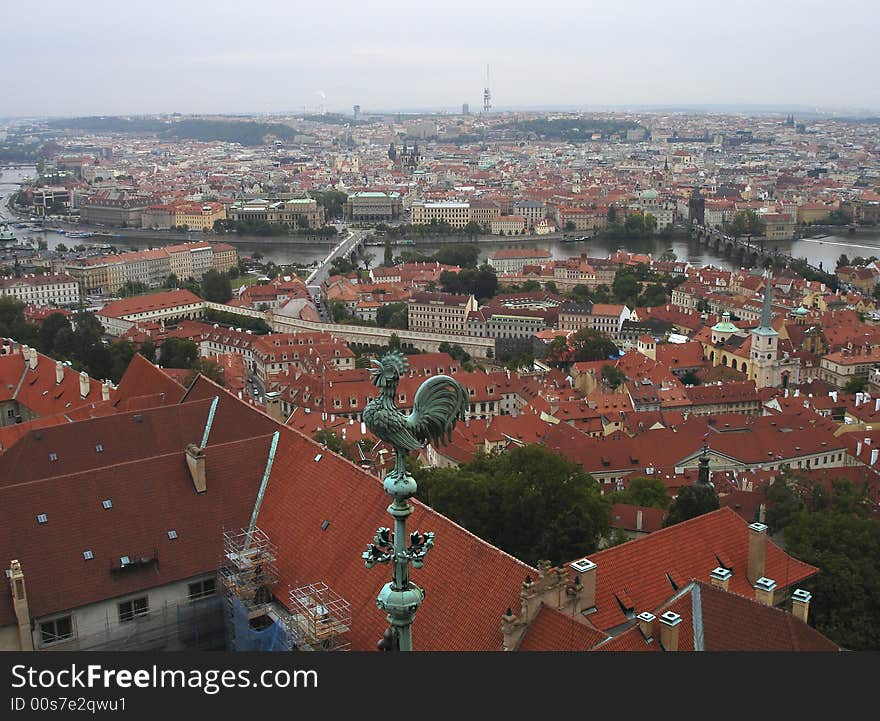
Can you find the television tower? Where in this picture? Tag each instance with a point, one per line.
(487, 95)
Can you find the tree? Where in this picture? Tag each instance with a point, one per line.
(208, 368)
(692, 501)
(485, 283)
(612, 214)
(392, 315)
(531, 502)
(855, 384)
(612, 376)
(339, 311)
(625, 287)
(51, 326)
(216, 286)
(591, 345)
(178, 353)
(394, 342)
(550, 287)
(654, 295)
(650, 223)
(465, 255)
(570, 226)
(388, 261)
(644, 491)
(690, 379)
(148, 350)
(843, 260)
(172, 281)
(668, 256)
(132, 288)
(121, 353)
(334, 443)
(61, 248)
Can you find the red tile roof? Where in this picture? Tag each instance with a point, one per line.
(553, 630)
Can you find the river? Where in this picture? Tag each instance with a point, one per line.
(824, 250)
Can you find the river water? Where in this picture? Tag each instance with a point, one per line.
(824, 250)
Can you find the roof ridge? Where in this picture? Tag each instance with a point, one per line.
(124, 463)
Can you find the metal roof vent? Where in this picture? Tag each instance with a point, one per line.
(99, 448)
(172, 534)
(124, 560)
(42, 518)
(583, 565)
(88, 555)
(107, 503)
(325, 525)
(318, 458)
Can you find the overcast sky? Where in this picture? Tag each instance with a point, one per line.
(89, 57)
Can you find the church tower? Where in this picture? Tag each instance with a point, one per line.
(765, 344)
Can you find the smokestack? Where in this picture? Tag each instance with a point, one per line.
(32, 358)
(720, 578)
(105, 391)
(59, 373)
(83, 384)
(800, 604)
(669, 623)
(273, 405)
(195, 461)
(639, 520)
(646, 624)
(757, 551)
(764, 588)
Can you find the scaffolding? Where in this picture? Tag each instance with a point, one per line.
(322, 618)
(248, 574)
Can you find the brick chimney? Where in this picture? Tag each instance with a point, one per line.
(32, 358)
(59, 373)
(764, 588)
(195, 461)
(105, 391)
(720, 578)
(20, 605)
(83, 384)
(800, 604)
(669, 623)
(646, 624)
(638, 519)
(273, 406)
(757, 551)
(552, 588)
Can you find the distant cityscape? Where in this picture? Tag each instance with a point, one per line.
(664, 323)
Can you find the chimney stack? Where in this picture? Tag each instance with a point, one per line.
(32, 358)
(646, 625)
(764, 588)
(757, 551)
(83, 384)
(59, 373)
(669, 623)
(720, 578)
(195, 461)
(586, 570)
(874, 453)
(105, 391)
(800, 604)
(639, 520)
(20, 605)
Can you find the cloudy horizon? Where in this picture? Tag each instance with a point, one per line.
(274, 57)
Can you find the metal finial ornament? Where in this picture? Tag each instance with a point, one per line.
(438, 405)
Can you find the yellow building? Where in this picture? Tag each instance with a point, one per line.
(198, 216)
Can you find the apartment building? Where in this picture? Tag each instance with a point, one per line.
(457, 215)
(56, 289)
(854, 361)
(512, 260)
(507, 225)
(440, 312)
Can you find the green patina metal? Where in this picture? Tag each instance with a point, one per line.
(438, 405)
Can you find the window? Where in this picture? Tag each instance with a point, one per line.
(128, 610)
(202, 589)
(42, 518)
(56, 630)
(107, 503)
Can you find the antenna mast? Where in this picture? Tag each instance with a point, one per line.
(487, 95)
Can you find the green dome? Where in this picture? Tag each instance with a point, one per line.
(724, 325)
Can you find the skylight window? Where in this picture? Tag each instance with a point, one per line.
(42, 518)
(53, 457)
(124, 560)
(99, 448)
(88, 555)
(172, 534)
(107, 503)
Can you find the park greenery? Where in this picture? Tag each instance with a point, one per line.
(833, 527)
(692, 501)
(643, 491)
(530, 502)
(574, 130)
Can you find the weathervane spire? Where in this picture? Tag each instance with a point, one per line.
(438, 404)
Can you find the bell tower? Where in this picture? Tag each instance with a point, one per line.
(765, 344)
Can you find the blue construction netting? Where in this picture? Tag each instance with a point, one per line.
(247, 638)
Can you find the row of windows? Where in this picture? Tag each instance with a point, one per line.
(61, 629)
